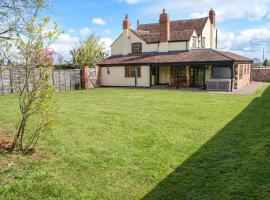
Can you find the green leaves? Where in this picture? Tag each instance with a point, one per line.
(89, 52)
(36, 96)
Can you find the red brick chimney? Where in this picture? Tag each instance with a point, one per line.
(164, 24)
(126, 23)
(212, 16)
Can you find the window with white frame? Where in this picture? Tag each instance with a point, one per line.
(132, 71)
(203, 42)
(136, 48)
(194, 42)
(241, 71)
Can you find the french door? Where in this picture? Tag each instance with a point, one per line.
(197, 76)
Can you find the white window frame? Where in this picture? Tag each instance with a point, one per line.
(194, 42)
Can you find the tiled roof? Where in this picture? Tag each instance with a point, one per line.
(180, 30)
(197, 24)
(181, 35)
(196, 55)
(150, 37)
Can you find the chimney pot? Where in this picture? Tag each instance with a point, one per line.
(164, 24)
(126, 22)
(212, 16)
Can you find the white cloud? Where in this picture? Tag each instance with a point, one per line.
(258, 12)
(225, 10)
(64, 43)
(249, 42)
(132, 1)
(198, 14)
(84, 31)
(106, 42)
(225, 40)
(98, 21)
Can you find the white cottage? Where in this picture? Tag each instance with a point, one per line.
(178, 53)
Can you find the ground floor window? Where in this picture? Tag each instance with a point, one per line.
(241, 72)
(178, 71)
(221, 72)
(131, 72)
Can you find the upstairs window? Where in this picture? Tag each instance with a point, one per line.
(194, 42)
(203, 42)
(136, 48)
(131, 72)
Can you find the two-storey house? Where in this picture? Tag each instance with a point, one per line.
(178, 53)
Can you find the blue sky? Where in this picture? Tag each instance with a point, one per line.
(244, 26)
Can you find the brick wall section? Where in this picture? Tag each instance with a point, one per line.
(126, 23)
(242, 75)
(85, 77)
(212, 17)
(260, 74)
(164, 23)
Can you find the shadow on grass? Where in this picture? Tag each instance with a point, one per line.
(234, 164)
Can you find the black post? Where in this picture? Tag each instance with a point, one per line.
(11, 78)
(150, 78)
(158, 74)
(135, 76)
(204, 73)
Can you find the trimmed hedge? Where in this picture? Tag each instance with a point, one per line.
(65, 66)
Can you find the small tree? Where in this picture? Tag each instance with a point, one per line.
(89, 52)
(265, 62)
(36, 94)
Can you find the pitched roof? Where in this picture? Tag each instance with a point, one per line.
(196, 55)
(154, 37)
(197, 24)
(178, 26)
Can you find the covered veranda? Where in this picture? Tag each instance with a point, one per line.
(191, 75)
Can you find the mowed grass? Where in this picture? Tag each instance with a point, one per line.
(144, 144)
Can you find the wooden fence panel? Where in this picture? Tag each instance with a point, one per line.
(6, 80)
(12, 79)
(260, 74)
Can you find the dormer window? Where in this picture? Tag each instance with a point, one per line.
(136, 48)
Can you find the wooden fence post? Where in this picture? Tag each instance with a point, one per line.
(1, 80)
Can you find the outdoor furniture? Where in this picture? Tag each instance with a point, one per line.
(179, 82)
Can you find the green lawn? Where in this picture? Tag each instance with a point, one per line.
(141, 143)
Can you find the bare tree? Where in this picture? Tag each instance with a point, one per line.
(14, 14)
(7, 52)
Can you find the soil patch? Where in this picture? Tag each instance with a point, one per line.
(5, 143)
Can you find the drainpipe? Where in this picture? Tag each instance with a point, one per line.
(136, 76)
(216, 38)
